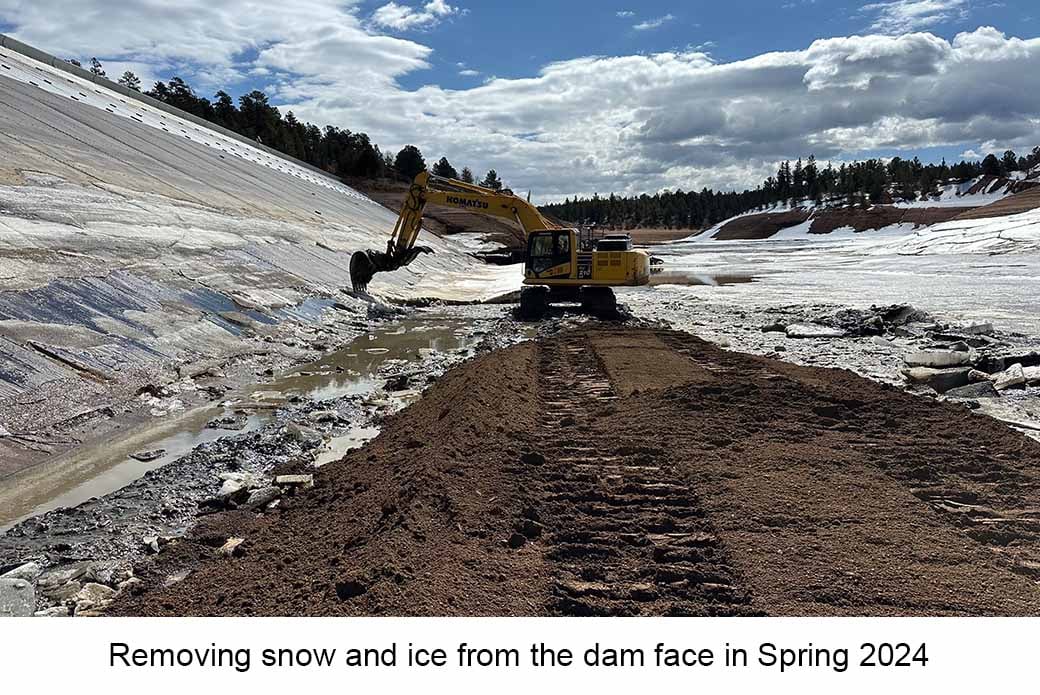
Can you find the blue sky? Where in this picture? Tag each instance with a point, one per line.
(582, 96)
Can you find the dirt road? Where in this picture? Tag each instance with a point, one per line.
(638, 472)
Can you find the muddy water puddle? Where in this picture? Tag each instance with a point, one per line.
(100, 467)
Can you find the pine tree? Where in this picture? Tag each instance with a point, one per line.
(409, 162)
(492, 181)
(95, 67)
(991, 166)
(130, 81)
(444, 169)
(467, 175)
(1010, 161)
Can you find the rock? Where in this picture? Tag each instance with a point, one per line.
(55, 612)
(130, 586)
(17, 598)
(295, 480)
(29, 572)
(942, 380)
(92, 598)
(811, 330)
(978, 329)
(775, 327)
(983, 389)
(959, 346)
(1032, 375)
(975, 376)
(307, 437)
(151, 543)
(146, 456)
(231, 547)
(1012, 377)
(401, 382)
(236, 484)
(938, 359)
(263, 496)
(63, 575)
(4, 432)
(112, 573)
(323, 416)
(532, 458)
(62, 593)
(517, 540)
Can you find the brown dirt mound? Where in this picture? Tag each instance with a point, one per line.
(641, 472)
(1012, 205)
(760, 226)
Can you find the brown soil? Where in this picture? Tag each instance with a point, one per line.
(878, 217)
(760, 226)
(641, 472)
(1012, 205)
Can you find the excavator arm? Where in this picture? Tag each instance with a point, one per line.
(401, 248)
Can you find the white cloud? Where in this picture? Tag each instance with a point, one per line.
(901, 16)
(469, 72)
(404, 17)
(612, 123)
(624, 14)
(653, 23)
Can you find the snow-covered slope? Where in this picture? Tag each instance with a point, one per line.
(996, 235)
(127, 234)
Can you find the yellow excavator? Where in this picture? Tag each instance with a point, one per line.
(562, 264)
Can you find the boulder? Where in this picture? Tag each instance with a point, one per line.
(29, 572)
(263, 496)
(975, 376)
(812, 330)
(1032, 375)
(942, 380)
(985, 328)
(324, 416)
(937, 359)
(983, 389)
(93, 598)
(295, 480)
(63, 575)
(17, 598)
(776, 327)
(401, 382)
(306, 437)
(1012, 377)
(55, 612)
(231, 547)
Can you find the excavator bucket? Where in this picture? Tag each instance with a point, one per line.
(365, 264)
(362, 269)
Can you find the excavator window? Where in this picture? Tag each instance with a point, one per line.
(548, 249)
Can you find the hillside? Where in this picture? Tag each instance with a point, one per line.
(980, 198)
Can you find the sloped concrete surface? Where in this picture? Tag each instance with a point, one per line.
(128, 236)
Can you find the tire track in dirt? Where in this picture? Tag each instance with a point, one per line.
(630, 538)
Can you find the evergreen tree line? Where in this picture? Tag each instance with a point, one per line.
(860, 183)
(339, 152)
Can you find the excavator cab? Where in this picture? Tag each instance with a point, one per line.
(549, 253)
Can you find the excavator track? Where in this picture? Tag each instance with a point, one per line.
(629, 537)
